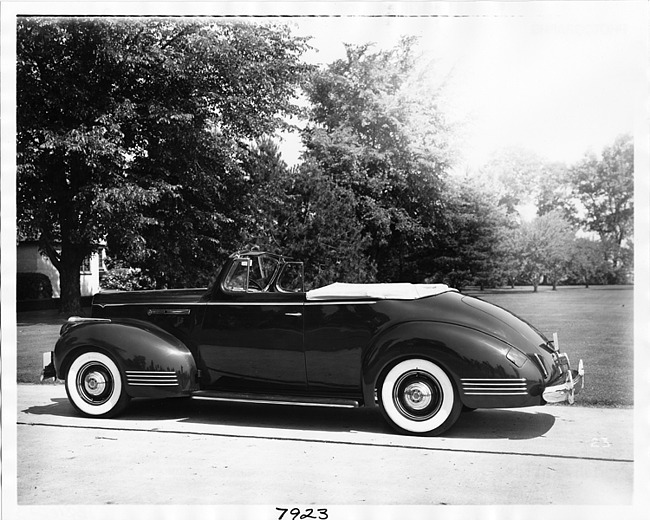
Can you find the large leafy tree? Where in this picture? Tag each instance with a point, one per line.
(587, 263)
(470, 249)
(319, 225)
(543, 248)
(305, 214)
(517, 172)
(266, 202)
(604, 185)
(133, 131)
(376, 130)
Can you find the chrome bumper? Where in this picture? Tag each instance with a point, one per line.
(48, 371)
(566, 386)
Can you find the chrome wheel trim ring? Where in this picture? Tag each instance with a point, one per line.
(94, 383)
(417, 395)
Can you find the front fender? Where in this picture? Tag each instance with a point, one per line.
(153, 362)
(464, 353)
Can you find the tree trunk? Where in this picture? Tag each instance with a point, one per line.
(68, 263)
(70, 288)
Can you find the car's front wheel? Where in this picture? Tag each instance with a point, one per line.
(418, 397)
(94, 385)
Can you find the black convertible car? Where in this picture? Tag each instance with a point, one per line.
(418, 352)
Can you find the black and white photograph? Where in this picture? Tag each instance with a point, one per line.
(325, 260)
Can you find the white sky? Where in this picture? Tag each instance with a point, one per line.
(559, 78)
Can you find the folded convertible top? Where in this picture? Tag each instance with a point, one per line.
(376, 291)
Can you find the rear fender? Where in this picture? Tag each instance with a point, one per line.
(153, 362)
(462, 352)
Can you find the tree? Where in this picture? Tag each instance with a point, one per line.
(133, 131)
(266, 201)
(517, 172)
(320, 227)
(587, 260)
(469, 250)
(554, 191)
(304, 214)
(543, 247)
(605, 187)
(376, 130)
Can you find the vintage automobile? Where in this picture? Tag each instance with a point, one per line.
(421, 353)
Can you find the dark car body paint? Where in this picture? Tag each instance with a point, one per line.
(136, 346)
(282, 344)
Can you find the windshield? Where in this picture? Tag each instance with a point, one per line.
(251, 273)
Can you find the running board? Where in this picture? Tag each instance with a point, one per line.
(276, 399)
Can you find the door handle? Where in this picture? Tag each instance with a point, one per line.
(173, 312)
(297, 314)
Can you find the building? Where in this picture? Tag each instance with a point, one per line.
(30, 260)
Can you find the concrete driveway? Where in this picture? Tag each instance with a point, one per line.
(186, 451)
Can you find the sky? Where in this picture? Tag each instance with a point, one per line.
(558, 78)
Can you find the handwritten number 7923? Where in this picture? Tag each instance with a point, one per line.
(297, 514)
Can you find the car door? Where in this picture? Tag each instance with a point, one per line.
(252, 341)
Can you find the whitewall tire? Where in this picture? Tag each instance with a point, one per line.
(94, 385)
(418, 397)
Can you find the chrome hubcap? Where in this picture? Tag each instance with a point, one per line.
(95, 383)
(418, 395)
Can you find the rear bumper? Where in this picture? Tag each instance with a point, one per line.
(566, 386)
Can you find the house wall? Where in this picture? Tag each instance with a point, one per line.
(30, 260)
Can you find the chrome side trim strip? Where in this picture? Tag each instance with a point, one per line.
(541, 364)
(487, 385)
(80, 319)
(271, 401)
(151, 378)
(255, 304)
(148, 304)
(341, 302)
(508, 380)
(153, 384)
(494, 386)
(151, 372)
(495, 393)
(238, 304)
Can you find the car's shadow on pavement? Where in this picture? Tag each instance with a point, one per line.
(479, 424)
(59, 407)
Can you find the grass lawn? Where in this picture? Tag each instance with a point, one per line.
(594, 324)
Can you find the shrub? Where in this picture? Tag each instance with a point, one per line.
(33, 286)
(126, 279)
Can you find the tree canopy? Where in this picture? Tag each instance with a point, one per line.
(605, 187)
(155, 135)
(376, 131)
(133, 130)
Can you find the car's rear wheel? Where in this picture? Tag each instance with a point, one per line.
(94, 385)
(418, 397)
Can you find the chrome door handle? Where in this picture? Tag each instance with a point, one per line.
(173, 312)
(293, 314)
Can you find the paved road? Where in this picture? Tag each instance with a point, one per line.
(204, 452)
